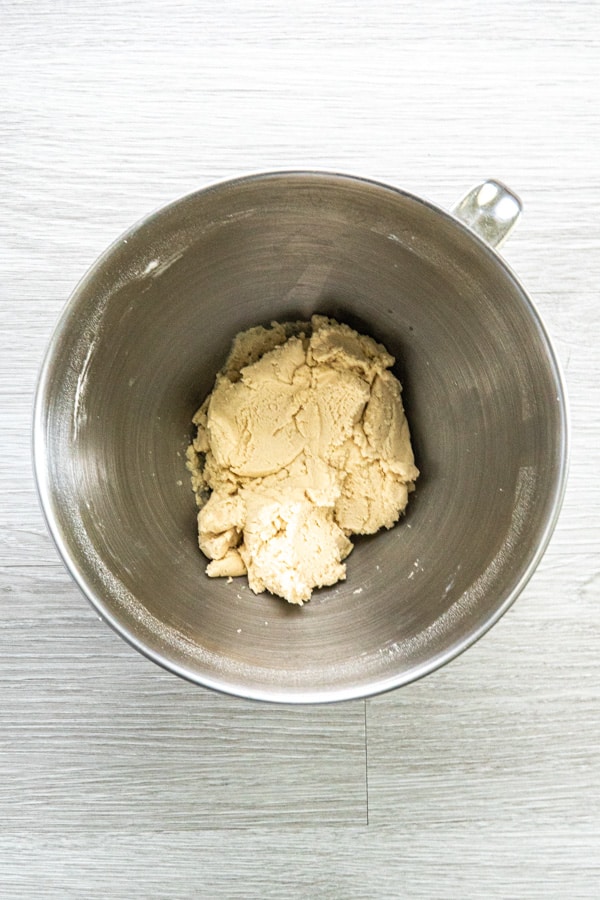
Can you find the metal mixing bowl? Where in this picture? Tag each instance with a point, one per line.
(137, 349)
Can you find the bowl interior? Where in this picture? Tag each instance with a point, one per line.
(137, 351)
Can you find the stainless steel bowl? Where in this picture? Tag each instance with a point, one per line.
(137, 349)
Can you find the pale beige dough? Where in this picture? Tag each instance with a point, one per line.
(302, 442)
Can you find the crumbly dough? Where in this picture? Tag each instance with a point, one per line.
(302, 442)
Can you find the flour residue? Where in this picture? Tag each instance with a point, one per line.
(79, 412)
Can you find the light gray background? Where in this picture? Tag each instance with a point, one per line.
(119, 780)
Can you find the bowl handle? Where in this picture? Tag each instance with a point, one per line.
(491, 210)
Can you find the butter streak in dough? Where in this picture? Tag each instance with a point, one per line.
(302, 442)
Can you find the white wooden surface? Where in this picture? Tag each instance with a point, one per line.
(118, 780)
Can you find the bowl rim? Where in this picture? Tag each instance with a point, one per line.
(230, 687)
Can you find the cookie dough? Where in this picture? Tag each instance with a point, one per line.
(302, 443)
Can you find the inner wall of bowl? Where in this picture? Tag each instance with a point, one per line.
(146, 334)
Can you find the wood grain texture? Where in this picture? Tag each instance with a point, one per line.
(409, 860)
(118, 780)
